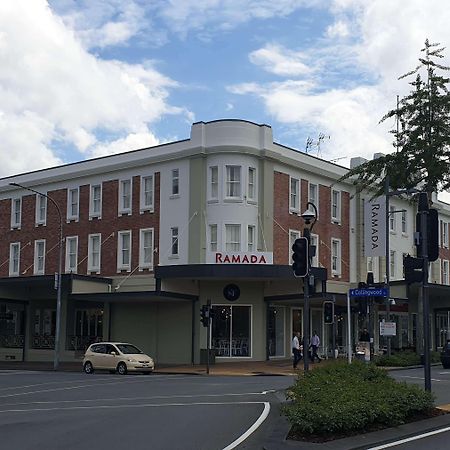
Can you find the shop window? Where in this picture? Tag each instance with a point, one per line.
(276, 330)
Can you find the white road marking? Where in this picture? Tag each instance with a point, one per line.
(410, 439)
(252, 429)
(417, 378)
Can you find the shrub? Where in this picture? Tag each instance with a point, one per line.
(345, 397)
(404, 358)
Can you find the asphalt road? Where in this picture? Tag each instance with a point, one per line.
(54, 410)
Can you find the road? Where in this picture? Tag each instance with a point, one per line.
(54, 410)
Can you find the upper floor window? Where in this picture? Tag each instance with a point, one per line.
(314, 249)
(41, 209)
(392, 221)
(16, 212)
(335, 206)
(393, 264)
(146, 248)
(369, 264)
(445, 234)
(73, 205)
(147, 190)
(445, 273)
(336, 257)
(404, 222)
(213, 237)
(233, 182)
(14, 258)
(175, 181)
(39, 257)
(125, 197)
(313, 195)
(251, 244)
(251, 191)
(294, 195)
(124, 250)
(214, 182)
(174, 239)
(293, 235)
(94, 252)
(233, 238)
(95, 205)
(71, 254)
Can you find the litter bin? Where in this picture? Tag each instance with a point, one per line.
(204, 356)
(361, 356)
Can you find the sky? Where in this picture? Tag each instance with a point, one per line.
(87, 78)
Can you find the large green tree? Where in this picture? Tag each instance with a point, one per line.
(421, 158)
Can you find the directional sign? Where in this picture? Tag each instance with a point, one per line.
(368, 292)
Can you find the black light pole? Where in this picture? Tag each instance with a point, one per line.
(307, 216)
(59, 274)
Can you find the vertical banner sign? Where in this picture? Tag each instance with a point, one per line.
(375, 227)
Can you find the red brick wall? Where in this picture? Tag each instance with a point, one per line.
(109, 222)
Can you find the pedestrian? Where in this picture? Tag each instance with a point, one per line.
(315, 344)
(296, 350)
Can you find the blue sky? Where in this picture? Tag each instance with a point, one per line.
(86, 78)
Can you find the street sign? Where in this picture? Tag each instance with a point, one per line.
(368, 292)
(388, 329)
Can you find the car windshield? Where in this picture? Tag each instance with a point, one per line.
(128, 349)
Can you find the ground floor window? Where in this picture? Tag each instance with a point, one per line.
(442, 327)
(88, 328)
(276, 321)
(12, 325)
(231, 330)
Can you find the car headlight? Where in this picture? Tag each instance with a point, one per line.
(131, 360)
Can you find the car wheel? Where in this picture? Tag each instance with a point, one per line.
(121, 368)
(88, 367)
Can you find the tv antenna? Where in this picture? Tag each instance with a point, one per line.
(315, 144)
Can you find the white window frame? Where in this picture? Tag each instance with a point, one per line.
(213, 183)
(393, 264)
(314, 241)
(233, 185)
(213, 237)
(71, 215)
(251, 185)
(336, 263)
(174, 242)
(121, 264)
(93, 200)
(445, 234)
(314, 199)
(228, 242)
(39, 243)
(14, 264)
(445, 272)
(404, 219)
(294, 195)
(336, 207)
(16, 212)
(69, 268)
(175, 182)
(145, 203)
(123, 208)
(293, 235)
(142, 263)
(41, 209)
(251, 238)
(91, 267)
(370, 264)
(392, 219)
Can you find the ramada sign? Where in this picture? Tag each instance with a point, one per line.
(241, 258)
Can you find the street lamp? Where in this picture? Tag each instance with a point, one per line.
(310, 218)
(59, 274)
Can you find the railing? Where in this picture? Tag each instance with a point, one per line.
(11, 340)
(81, 343)
(41, 341)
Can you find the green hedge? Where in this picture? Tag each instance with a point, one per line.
(346, 397)
(404, 358)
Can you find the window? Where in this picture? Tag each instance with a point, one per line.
(314, 247)
(233, 238)
(125, 197)
(175, 181)
(251, 246)
(213, 238)
(94, 252)
(233, 183)
(39, 257)
(214, 182)
(313, 195)
(445, 273)
(392, 221)
(294, 195)
(147, 189)
(336, 257)
(16, 212)
(369, 264)
(335, 206)
(146, 248)
(392, 264)
(445, 234)
(251, 191)
(72, 204)
(124, 250)
(41, 209)
(71, 254)
(404, 222)
(95, 206)
(293, 235)
(14, 258)
(174, 248)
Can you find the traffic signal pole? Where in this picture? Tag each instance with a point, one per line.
(208, 334)
(306, 234)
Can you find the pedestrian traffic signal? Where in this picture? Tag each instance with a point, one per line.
(204, 318)
(328, 312)
(300, 257)
(413, 269)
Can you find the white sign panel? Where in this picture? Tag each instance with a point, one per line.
(375, 227)
(239, 258)
(388, 329)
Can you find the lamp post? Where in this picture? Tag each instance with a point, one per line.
(59, 274)
(308, 216)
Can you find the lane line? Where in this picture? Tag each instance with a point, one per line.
(414, 438)
(418, 378)
(252, 429)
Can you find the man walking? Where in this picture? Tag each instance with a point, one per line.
(296, 349)
(315, 344)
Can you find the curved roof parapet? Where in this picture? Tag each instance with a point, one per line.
(231, 132)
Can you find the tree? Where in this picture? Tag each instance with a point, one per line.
(422, 138)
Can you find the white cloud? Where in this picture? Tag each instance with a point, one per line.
(339, 29)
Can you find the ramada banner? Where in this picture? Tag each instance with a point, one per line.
(240, 258)
(375, 227)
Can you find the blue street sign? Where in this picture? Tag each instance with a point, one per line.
(368, 292)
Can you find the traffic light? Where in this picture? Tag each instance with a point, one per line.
(413, 269)
(432, 234)
(204, 315)
(328, 312)
(300, 257)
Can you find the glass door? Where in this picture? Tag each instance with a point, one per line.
(442, 328)
(276, 330)
(297, 323)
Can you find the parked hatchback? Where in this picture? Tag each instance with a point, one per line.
(117, 357)
(445, 356)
